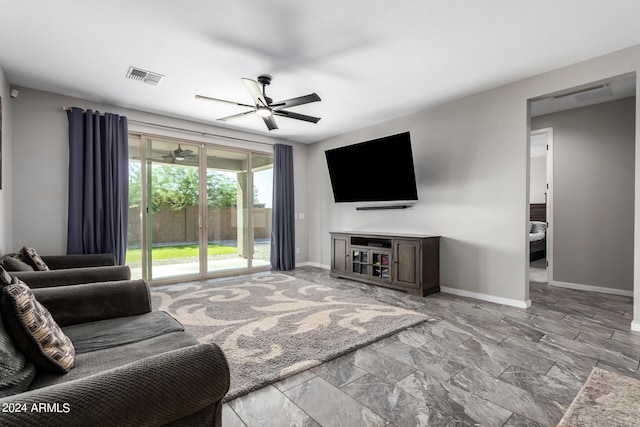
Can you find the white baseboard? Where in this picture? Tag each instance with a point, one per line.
(591, 288)
(485, 297)
(635, 326)
(313, 264)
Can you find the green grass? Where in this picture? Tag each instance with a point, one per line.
(185, 251)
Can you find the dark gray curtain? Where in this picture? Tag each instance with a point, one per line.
(98, 183)
(283, 253)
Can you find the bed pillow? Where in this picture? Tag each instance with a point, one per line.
(32, 258)
(34, 331)
(538, 227)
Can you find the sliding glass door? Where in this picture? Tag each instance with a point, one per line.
(173, 209)
(239, 187)
(197, 210)
(262, 179)
(227, 214)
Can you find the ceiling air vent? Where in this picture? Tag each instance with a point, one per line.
(144, 76)
(588, 94)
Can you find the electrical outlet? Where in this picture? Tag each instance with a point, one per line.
(297, 250)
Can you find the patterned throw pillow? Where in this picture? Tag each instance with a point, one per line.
(34, 331)
(32, 258)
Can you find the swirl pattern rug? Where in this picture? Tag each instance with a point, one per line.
(272, 326)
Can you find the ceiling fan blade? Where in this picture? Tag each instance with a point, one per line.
(235, 116)
(254, 91)
(313, 97)
(208, 98)
(270, 122)
(296, 116)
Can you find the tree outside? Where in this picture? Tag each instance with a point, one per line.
(177, 188)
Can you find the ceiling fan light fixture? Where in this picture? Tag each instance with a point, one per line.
(179, 158)
(264, 107)
(264, 111)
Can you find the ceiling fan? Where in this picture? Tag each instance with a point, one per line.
(178, 155)
(265, 107)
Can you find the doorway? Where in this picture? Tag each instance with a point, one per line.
(197, 210)
(589, 202)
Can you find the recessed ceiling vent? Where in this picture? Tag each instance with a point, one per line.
(144, 76)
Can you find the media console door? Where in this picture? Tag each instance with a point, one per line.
(370, 264)
(340, 264)
(406, 263)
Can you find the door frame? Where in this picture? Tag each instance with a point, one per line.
(201, 147)
(548, 131)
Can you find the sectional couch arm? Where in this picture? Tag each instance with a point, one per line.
(74, 304)
(153, 391)
(73, 276)
(57, 262)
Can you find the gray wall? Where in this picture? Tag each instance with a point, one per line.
(40, 165)
(6, 159)
(472, 165)
(470, 160)
(593, 197)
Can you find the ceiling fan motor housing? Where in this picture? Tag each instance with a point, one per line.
(264, 79)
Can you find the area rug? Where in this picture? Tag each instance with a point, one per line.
(606, 399)
(272, 325)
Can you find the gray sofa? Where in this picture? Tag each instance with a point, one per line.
(67, 270)
(133, 366)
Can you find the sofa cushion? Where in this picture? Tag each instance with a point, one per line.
(109, 333)
(34, 331)
(15, 372)
(73, 276)
(57, 262)
(14, 264)
(32, 258)
(98, 361)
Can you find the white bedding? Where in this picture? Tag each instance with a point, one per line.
(537, 231)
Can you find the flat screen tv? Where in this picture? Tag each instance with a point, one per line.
(379, 170)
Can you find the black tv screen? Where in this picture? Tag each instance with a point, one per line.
(379, 170)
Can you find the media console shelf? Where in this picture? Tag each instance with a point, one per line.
(400, 261)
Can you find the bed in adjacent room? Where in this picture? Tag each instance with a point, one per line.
(537, 231)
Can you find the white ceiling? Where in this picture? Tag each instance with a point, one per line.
(369, 60)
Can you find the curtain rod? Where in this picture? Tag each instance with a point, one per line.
(70, 108)
(233, 138)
